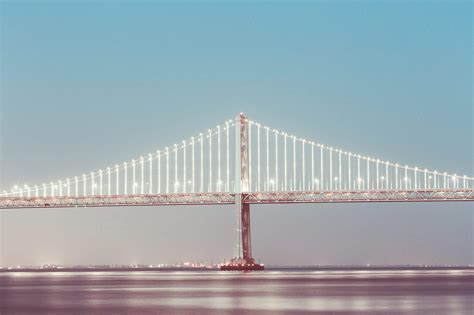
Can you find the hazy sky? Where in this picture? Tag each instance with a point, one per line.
(91, 84)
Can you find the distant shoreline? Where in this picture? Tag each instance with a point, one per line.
(268, 268)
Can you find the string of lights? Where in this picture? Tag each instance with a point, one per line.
(277, 161)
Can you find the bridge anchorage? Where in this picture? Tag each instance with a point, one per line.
(243, 162)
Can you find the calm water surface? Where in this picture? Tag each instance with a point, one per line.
(214, 292)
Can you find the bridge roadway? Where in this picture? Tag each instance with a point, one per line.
(269, 197)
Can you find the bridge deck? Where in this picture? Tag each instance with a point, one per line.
(250, 198)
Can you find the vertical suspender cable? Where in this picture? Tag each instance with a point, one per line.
(267, 147)
(368, 173)
(330, 169)
(219, 183)
(349, 179)
(142, 184)
(396, 176)
(134, 178)
(192, 165)
(210, 161)
(286, 162)
(249, 162)
(227, 157)
(100, 183)
(150, 174)
(108, 182)
(276, 160)
(117, 179)
(184, 167)
(125, 176)
(294, 163)
(358, 172)
(312, 166)
(377, 174)
(258, 159)
(321, 147)
(340, 170)
(92, 184)
(159, 172)
(416, 178)
(303, 173)
(176, 183)
(167, 170)
(201, 186)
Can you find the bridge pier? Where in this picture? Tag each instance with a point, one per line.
(243, 259)
(246, 238)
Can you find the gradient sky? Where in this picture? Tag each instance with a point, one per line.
(87, 85)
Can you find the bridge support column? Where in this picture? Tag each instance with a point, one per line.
(243, 246)
(246, 239)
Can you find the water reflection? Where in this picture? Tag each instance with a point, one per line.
(270, 292)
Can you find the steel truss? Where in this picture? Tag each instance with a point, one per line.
(247, 198)
(117, 200)
(359, 196)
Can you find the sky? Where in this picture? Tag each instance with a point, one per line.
(88, 84)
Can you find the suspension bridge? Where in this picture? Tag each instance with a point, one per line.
(243, 162)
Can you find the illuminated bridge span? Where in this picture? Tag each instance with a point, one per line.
(243, 162)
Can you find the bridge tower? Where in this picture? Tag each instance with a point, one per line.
(243, 259)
